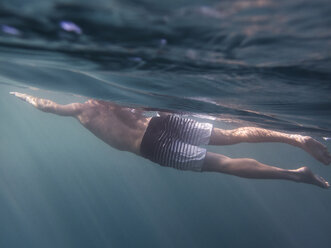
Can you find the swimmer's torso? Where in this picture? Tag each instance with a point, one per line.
(121, 127)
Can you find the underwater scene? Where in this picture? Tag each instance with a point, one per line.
(251, 79)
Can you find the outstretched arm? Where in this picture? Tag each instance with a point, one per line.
(257, 135)
(49, 106)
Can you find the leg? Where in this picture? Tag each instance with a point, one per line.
(250, 168)
(256, 135)
(45, 105)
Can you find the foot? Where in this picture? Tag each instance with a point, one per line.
(305, 175)
(316, 149)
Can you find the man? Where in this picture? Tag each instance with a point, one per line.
(172, 141)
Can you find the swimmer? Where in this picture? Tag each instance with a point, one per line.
(173, 141)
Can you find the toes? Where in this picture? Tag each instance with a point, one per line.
(324, 183)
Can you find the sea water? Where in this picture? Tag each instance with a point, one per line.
(232, 63)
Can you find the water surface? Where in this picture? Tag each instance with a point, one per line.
(233, 63)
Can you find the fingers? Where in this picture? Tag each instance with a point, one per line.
(19, 95)
(30, 99)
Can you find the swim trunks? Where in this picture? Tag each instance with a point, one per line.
(174, 142)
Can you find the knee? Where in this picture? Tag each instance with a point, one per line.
(250, 162)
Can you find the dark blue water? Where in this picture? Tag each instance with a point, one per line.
(259, 63)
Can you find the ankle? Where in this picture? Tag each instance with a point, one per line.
(295, 175)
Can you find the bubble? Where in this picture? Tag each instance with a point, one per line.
(10, 30)
(163, 42)
(70, 27)
(136, 59)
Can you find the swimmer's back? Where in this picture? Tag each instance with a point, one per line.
(120, 127)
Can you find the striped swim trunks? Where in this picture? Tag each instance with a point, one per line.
(174, 142)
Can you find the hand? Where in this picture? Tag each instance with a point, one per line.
(25, 97)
